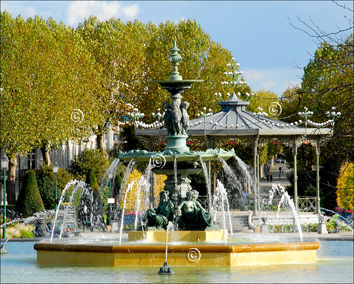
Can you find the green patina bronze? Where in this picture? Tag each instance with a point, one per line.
(185, 211)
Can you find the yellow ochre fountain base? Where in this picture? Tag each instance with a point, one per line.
(178, 255)
(178, 236)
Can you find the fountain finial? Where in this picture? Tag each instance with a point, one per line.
(175, 58)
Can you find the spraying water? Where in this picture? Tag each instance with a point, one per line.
(80, 184)
(128, 170)
(145, 186)
(170, 227)
(67, 186)
(207, 181)
(130, 186)
(285, 197)
(220, 202)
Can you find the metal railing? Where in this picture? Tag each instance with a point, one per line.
(203, 200)
(307, 203)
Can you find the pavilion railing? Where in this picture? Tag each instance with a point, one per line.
(203, 200)
(307, 203)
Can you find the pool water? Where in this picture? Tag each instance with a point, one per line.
(334, 265)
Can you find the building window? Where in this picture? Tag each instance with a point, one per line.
(31, 160)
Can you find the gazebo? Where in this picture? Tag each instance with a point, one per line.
(234, 121)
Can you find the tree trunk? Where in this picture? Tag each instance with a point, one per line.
(100, 138)
(45, 153)
(11, 180)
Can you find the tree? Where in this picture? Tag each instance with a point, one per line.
(262, 101)
(328, 82)
(119, 51)
(345, 187)
(29, 200)
(46, 74)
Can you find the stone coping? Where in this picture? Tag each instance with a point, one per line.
(244, 248)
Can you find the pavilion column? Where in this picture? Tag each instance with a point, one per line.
(152, 197)
(258, 177)
(295, 174)
(255, 146)
(318, 174)
(209, 177)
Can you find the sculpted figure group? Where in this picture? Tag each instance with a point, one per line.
(191, 215)
(176, 118)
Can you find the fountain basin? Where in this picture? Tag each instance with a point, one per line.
(177, 236)
(182, 156)
(178, 255)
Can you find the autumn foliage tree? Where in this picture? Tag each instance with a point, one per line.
(345, 187)
(132, 196)
(46, 75)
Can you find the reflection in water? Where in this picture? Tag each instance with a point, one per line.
(334, 265)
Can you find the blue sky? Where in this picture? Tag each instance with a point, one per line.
(258, 33)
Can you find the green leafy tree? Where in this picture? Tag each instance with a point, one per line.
(262, 102)
(119, 52)
(89, 159)
(345, 187)
(46, 74)
(29, 200)
(328, 82)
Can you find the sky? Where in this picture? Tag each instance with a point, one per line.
(270, 51)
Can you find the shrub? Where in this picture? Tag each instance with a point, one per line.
(47, 191)
(91, 180)
(29, 200)
(43, 175)
(90, 159)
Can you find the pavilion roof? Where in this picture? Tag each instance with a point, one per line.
(235, 121)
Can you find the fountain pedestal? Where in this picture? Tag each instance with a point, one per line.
(62, 253)
(177, 236)
(177, 142)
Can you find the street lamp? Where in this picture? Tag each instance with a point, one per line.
(110, 175)
(55, 171)
(204, 115)
(4, 167)
(236, 80)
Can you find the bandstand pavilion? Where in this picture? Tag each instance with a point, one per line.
(235, 122)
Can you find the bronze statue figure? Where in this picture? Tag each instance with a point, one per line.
(163, 213)
(185, 117)
(192, 214)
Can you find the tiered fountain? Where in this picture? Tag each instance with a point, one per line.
(179, 207)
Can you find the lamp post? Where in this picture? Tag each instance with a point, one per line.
(204, 115)
(306, 114)
(55, 171)
(110, 175)
(236, 81)
(4, 167)
(135, 115)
